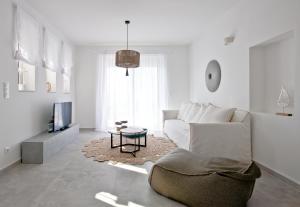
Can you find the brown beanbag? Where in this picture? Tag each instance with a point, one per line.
(198, 182)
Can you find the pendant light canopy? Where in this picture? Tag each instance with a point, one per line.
(127, 58)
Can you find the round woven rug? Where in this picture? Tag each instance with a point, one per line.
(101, 151)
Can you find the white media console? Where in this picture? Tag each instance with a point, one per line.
(37, 149)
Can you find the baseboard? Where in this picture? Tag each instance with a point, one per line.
(9, 166)
(279, 175)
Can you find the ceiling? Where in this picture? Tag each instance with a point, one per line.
(87, 22)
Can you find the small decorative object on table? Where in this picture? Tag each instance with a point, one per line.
(124, 124)
(283, 101)
(118, 125)
(121, 125)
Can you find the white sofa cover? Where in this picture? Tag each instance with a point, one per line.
(229, 139)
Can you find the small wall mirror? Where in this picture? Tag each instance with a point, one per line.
(213, 75)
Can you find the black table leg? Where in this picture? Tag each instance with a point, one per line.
(133, 153)
(145, 141)
(121, 144)
(111, 141)
(139, 144)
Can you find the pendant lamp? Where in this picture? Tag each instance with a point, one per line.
(127, 58)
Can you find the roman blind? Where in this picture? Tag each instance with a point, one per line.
(67, 59)
(27, 33)
(51, 50)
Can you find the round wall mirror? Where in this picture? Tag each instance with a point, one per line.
(213, 76)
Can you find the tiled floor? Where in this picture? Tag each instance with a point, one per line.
(69, 180)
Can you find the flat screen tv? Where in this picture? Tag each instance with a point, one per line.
(62, 115)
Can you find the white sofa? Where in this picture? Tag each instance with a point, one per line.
(229, 139)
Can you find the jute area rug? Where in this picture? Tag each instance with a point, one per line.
(100, 150)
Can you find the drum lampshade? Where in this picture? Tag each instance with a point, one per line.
(127, 59)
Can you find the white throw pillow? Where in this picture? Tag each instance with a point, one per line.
(187, 110)
(183, 109)
(199, 113)
(189, 117)
(215, 114)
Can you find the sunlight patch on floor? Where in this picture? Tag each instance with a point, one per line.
(111, 199)
(129, 167)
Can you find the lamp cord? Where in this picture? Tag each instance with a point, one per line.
(127, 22)
(127, 38)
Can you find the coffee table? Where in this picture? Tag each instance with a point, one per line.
(133, 133)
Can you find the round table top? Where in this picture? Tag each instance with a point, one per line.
(132, 130)
(128, 130)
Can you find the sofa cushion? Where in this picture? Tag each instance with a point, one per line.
(199, 113)
(183, 110)
(214, 114)
(239, 115)
(189, 117)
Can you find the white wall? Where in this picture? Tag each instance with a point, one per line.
(276, 139)
(86, 62)
(26, 113)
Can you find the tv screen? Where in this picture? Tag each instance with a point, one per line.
(62, 115)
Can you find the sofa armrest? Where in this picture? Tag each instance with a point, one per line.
(229, 140)
(169, 114)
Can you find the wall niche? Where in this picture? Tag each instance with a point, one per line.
(272, 65)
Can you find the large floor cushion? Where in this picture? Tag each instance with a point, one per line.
(198, 182)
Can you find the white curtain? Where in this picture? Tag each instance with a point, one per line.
(67, 59)
(138, 98)
(27, 33)
(52, 49)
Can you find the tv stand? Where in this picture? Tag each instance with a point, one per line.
(37, 149)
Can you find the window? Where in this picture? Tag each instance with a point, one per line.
(26, 47)
(52, 47)
(26, 78)
(138, 98)
(50, 81)
(66, 64)
(66, 84)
